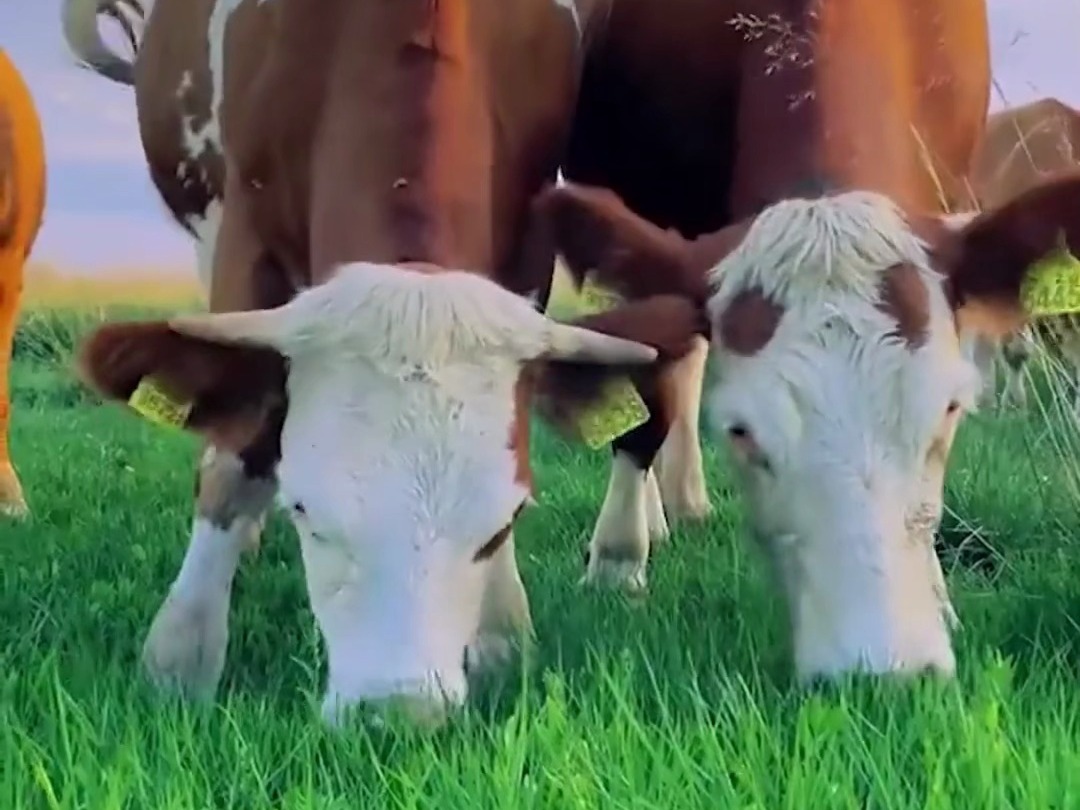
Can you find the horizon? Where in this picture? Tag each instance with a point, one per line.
(103, 215)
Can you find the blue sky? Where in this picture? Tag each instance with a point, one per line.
(104, 213)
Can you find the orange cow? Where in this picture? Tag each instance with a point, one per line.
(22, 202)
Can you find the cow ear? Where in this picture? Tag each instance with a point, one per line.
(988, 258)
(565, 389)
(593, 230)
(229, 389)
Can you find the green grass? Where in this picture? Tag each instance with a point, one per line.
(681, 701)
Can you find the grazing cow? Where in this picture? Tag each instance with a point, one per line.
(358, 174)
(699, 113)
(1021, 148)
(841, 301)
(22, 205)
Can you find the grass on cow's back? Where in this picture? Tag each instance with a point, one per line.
(682, 701)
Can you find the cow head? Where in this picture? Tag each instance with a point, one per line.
(839, 330)
(398, 465)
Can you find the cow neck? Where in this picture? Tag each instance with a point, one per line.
(403, 159)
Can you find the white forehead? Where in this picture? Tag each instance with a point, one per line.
(402, 419)
(393, 315)
(834, 357)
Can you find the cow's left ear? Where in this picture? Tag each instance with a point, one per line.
(988, 258)
(593, 230)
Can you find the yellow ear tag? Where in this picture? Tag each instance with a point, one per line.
(620, 408)
(1052, 285)
(150, 401)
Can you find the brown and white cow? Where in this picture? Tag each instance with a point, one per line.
(1021, 148)
(842, 302)
(700, 113)
(358, 174)
(837, 327)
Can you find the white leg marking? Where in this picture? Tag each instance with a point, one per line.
(679, 464)
(185, 648)
(654, 511)
(505, 622)
(619, 550)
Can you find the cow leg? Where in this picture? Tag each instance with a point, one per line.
(983, 354)
(185, 648)
(632, 517)
(12, 502)
(505, 621)
(1015, 353)
(679, 468)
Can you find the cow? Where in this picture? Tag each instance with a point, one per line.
(842, 300)
(358, 177)
(22, 206)
(1021, 148)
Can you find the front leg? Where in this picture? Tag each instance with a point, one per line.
(505, 620)
(679, 467)
(185, 648)
(632, 517)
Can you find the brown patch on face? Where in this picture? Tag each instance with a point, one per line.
(905, 298)
(487, 551)
(749, 322)
(519, 430)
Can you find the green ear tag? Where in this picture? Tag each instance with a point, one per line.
(620, 408)
(1052, 285)
(150, 401)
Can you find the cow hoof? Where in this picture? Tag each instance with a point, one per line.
(606, 572)
(184, 651)
(12, 503)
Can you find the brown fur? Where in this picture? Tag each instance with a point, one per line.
(1023, 147)
(904, 298)
(666, 322)
(993, 255)
(749, 322)
(232, 389)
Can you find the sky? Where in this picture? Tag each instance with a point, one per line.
(103, 212)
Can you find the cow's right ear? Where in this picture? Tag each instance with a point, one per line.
(231, 389)
(593, 230)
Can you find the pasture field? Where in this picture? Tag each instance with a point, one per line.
(683, 700)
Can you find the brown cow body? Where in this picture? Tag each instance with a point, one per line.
(359, 173)
(1023, 147)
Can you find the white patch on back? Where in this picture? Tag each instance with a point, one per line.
(205, 140)
(571, 6)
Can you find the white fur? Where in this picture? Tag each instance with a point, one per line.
(619, 549)
(844, 416)
(571, 6)
(185, 648)
(401, 402)
(186, 645)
